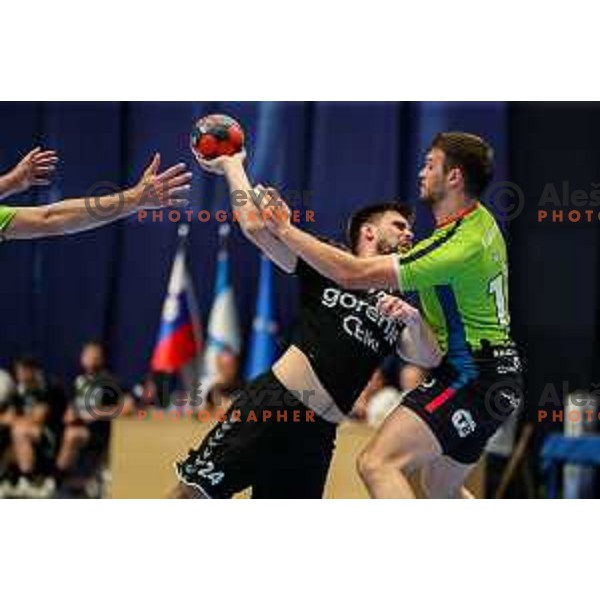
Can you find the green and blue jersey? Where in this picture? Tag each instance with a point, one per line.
(460, 273)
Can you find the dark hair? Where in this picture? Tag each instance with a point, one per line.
(472, 155)
(370, 214)
(29, 362)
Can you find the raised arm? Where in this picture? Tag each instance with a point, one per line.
(154, 190)
(248, 204)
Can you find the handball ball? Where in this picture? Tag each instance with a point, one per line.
(217, 135)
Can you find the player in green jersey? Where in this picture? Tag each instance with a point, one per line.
(460, 274)
(153, 190)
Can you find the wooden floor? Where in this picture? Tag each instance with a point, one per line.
(142, 454)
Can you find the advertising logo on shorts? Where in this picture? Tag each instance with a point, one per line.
(463, 423)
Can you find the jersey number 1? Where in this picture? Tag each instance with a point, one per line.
(497, 288)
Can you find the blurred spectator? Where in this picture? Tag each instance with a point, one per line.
(152, 392)
(7, 389)
(31, 413)
(376, 383)
(87, 418)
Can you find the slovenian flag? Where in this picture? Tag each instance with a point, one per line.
(263, 346)
(223, 326)
(179, 338)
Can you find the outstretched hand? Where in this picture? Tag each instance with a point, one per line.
(35, 168)
(169, 188)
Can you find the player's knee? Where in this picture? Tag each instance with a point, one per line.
(181, 492)
(373, 463)
(369, 464)
(186, 492)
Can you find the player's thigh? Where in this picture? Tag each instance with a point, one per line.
(185, 492)
(301, 483)
(444, 477)
(25, 430)
(295, 459)
(404, 440)
(226, 460)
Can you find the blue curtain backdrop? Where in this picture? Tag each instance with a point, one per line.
(109, 284)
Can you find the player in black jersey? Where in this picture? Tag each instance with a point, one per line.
(279, 434)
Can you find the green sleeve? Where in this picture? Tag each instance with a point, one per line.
(6, 216)
(436, 263)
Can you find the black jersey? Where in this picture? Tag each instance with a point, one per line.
(342, 333)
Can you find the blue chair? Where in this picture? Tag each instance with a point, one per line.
(559, 449)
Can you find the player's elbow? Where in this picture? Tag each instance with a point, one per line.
(47, 222)
(424, 360)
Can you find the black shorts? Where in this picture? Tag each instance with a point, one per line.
(269, 440)
(99, 435)
(464, 407)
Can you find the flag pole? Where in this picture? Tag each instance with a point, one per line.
(190, 374)
(224, 231)
(183, 232)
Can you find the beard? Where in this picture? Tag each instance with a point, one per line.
(385, 247)
(431, 195)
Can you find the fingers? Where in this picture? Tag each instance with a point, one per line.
(46, 156)
(177, 202)
(389, 304)
(272, 193)
(45, 164)
(269, 215)
(383, 306)
(32, 153)
(43, 170)
(393, 311)
(37, 154)
(172, 171)
(168, 193)
(152, 168)
(396, 308)
(273, 198)
(209, 165)
(41, 182)
(178, 191)
(176, 181)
